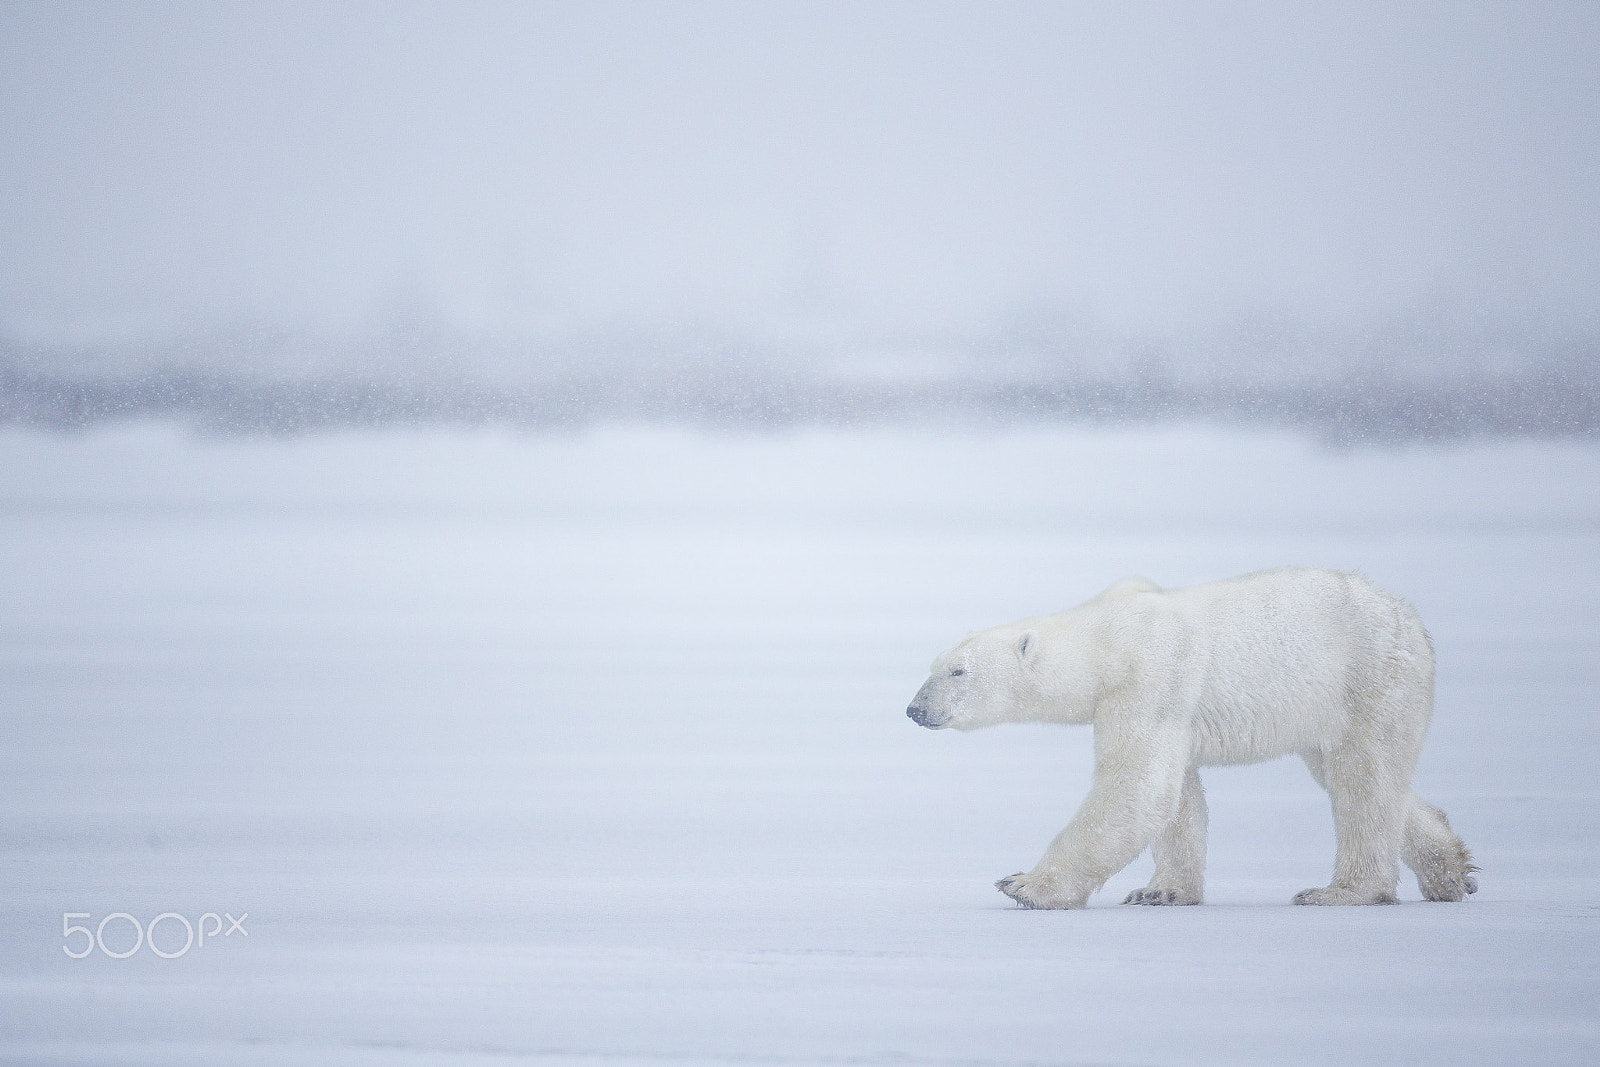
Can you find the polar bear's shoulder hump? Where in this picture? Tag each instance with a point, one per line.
(1129, 586)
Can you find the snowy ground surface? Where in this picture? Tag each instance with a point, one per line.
(592, 749)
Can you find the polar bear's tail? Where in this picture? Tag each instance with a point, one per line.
(1438, 857)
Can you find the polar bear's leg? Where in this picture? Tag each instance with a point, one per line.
(1179, 851)
(1369, 813)
(1138, 782)
(1431, 849)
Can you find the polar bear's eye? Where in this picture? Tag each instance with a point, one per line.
(958, 671)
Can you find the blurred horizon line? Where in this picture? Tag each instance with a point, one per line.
(1415, 376)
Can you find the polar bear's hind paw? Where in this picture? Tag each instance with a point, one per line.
(1450, 886)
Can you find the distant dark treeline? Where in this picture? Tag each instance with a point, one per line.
(1557, 395)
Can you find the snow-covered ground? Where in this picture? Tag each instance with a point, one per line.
(592, 749)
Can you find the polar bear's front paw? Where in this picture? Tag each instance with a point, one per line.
(1151, 895)
(1335, 895)
(1031, 891)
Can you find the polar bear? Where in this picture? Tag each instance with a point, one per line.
(1293, 660)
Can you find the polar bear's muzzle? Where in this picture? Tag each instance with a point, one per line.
(923, 717)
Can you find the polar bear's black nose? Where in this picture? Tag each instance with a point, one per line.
(918, 715)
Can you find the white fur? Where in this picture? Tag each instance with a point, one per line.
(1295, 660)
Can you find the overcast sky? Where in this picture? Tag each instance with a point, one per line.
(761, 167)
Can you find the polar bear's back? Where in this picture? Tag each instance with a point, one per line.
(1291, 658)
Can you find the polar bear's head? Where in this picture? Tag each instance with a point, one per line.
(984, 680)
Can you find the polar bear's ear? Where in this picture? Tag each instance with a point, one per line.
(1027, 644)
